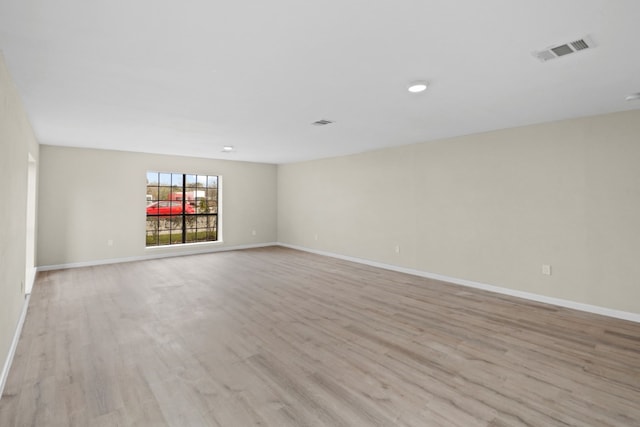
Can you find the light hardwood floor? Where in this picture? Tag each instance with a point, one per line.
(277, 337)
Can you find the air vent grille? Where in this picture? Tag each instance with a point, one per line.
(580, 45)
(557, 51)
(562, 50)
(322, 122)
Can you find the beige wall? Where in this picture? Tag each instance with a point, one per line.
(490, 208)
(88, 197)
(16, 143)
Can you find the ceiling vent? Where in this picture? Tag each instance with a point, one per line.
(557, 51)
(322, 122)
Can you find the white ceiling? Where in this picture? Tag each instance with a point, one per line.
(192, 76)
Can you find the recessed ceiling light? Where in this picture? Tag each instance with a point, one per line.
(227, 149)
(417, 86)
(633, 97)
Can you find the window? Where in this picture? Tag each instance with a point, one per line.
(181, 208)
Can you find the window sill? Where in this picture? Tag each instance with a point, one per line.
(185, 245)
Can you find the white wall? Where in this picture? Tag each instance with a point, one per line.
(16, 143)
(490, 208)
(88, 197)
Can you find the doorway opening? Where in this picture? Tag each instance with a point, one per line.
(30, 273)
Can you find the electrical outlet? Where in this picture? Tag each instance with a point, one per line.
(110, 242)
(253, 232)
(315, 237)
(397, 249)
(546, 269)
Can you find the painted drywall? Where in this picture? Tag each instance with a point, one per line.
(490, 208)
(17, 141)
(89, 197)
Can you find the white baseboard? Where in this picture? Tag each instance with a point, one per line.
(14, 345)
(153, 256)
(634, 317)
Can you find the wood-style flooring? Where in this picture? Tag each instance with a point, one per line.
(277, 337)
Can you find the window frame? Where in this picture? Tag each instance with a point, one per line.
(183, 223)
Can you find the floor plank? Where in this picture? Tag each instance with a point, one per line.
(277, 337)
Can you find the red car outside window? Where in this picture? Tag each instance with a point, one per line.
(169, 208)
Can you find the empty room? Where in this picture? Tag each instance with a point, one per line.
(347, 213)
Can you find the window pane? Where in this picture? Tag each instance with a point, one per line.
(176, 237)
(152, 231)
(164, 193)
(163, 223)
(165, 179)
(191, 181)
(152, 178)
(175, 223)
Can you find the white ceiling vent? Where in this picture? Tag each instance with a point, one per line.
(322, 122)
(557, 51)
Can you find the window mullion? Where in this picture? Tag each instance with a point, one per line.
(184, 205)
